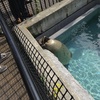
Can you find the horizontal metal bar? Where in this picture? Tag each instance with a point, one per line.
(30, 86)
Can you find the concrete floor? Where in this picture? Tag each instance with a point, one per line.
(11, 83)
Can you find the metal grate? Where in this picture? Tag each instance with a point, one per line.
(11, 84)
(46, 79)
(51, 81)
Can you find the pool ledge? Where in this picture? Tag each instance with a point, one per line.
(74, 22)
(54, 15)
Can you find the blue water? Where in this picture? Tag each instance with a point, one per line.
(84, 43)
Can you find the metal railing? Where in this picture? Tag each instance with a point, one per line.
(37, 72)
(33, 7)
(49, 78)
(34, 95)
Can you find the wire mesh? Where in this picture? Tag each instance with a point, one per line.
(51, 81)
(46, 79)
(33, 73)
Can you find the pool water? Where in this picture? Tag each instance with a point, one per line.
(84, 43)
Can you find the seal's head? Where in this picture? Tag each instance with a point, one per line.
(43, 40)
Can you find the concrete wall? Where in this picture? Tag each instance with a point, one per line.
(55, 14)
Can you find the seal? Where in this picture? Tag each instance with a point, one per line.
(57, 48)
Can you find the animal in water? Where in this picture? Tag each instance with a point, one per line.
(57, 48)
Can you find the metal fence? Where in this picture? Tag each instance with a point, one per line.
(49, 78)
(44, 71)
(31, 80)
(33, 7)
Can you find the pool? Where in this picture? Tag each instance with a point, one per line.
(82, 37)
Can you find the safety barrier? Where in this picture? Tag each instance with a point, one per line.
(53, 91)
(51, 81)
(33, 7)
